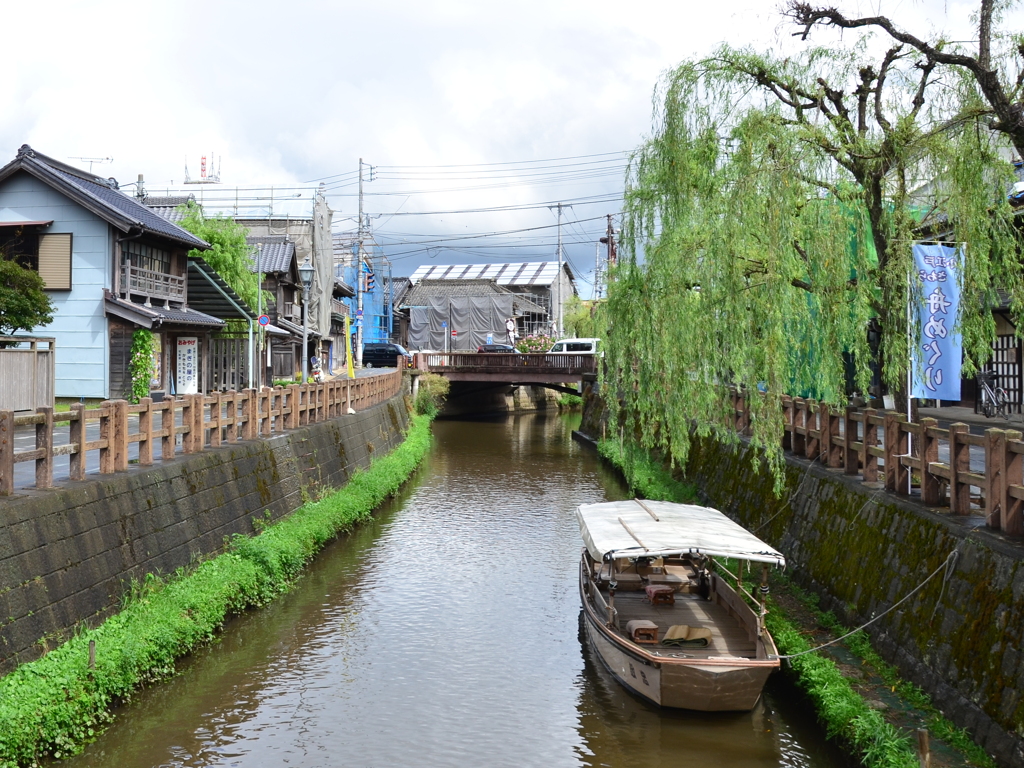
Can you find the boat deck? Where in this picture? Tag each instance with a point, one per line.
(729, 638)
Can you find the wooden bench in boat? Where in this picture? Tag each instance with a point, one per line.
(633, 578)
(729, 638)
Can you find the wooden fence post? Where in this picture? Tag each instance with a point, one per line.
(851, 462)
(1012, 521)
(107, 437)
(44, 443)
(929, 452)
(120, 435)
(959, 461)
(263, 414)
(6, 453)
(232, 421)
(895, 439)
(787, 419)
(215, 419)
(76, 437)
(830, 435)
(168, 440)
(146, 432)
(869, 462)
(799, 426)
(249, 405)
(187, 438)
(812, 448)
(995, 477)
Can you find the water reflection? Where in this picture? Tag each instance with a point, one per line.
(444, 633)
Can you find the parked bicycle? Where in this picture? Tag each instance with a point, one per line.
(992, 398)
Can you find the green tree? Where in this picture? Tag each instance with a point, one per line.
(229, 255)
(582, 319)
(24, 304)
(769, 221)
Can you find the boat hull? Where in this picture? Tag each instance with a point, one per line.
(706, 685)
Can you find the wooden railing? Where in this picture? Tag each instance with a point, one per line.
(156, 285)
(884, 448)
(199, 421)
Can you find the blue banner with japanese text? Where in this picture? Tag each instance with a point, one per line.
(938, 354)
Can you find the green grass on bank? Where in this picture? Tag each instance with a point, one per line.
(54, 705)
(569, 402)
(843, 712)
(860, 645)
(646, 476)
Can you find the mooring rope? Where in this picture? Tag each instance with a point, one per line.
(948, 565)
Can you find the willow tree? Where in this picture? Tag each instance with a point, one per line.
(768, 229)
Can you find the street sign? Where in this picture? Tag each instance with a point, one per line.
(444, 323)
(359, 313)
(264, 320)
(454, 332)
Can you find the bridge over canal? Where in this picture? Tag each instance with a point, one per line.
(564, 373)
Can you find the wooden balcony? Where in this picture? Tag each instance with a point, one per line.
(136, 281)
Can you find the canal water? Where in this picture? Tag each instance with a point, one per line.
(445, 633)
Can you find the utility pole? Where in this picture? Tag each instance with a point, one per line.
(359, 276)
(612, 258)
(597, 270)
(612, 251)
(558, 277)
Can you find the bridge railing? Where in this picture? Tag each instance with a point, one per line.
(484, 361)
(189, 423)
(883, 448)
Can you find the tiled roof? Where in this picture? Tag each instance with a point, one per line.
(171, 201)
(99, 196)
(423, 291)
(540, 273)
(275, 252)
(156, 316)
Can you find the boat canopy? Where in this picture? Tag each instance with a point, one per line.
(641, 528)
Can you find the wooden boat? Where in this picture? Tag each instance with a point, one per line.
(653, 570)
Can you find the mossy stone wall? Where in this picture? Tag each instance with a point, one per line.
(67, 555)
(861, 550)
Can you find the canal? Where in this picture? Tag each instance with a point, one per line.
(444, 633)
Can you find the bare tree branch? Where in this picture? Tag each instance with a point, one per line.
(1009, 114)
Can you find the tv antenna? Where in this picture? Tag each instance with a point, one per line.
(213, 177)
(91, 160)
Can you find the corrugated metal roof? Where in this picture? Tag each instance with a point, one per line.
(541, 273)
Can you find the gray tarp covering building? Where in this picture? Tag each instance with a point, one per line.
(472, 318)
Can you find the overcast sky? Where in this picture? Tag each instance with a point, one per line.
(284, 94)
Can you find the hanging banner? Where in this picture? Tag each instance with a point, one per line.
(939, 351)
(188, 365)
(351, 369)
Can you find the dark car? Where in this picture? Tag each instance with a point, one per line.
(384, 355)
(495, 348)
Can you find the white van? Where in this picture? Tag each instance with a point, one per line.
(575, 347)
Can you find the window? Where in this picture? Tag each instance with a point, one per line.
(49, 255)
(54, 262)
(147, 257)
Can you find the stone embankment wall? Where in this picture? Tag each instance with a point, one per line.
(861, 550)
(68, 555)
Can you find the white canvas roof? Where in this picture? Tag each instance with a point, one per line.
(539, 273)
(627, 529)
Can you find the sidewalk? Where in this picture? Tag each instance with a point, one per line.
(977, 421)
